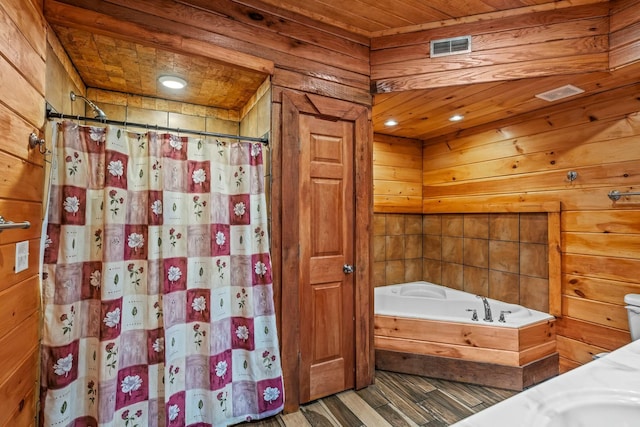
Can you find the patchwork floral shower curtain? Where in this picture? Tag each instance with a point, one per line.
(157, 293)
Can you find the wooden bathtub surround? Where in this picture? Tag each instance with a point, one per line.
(479, 342)
(516, 351)
(478, 373)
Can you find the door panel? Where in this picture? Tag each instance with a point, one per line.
(327, 345)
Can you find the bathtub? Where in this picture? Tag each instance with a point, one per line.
(426, 329)
(424, 300)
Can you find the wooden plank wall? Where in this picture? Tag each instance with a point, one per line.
(596, 137)
(625, 32)
(397, 174)
(22, 88)
(556, 42)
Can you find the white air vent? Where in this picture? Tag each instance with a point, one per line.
(452, 46)
(559, 93)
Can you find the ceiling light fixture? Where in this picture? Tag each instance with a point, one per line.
(456, 118)
(391, 122)
(172, 82)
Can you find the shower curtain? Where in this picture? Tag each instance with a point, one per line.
(157, 293)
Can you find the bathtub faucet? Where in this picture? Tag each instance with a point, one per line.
(487, 309)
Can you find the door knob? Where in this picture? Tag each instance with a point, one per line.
(348, 269)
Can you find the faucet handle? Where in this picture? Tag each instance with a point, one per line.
(474, 316)
(502, 313)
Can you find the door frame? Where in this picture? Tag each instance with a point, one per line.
(287, 107)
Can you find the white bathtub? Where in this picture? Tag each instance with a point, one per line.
(424, 300)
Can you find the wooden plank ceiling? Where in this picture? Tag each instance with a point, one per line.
(374, 18)
(391, 28)
(123, 66)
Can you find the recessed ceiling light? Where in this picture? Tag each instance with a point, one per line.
(172, 82)
(456, 118)
(391, 122)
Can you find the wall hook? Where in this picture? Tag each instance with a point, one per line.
(34, 142)
(572, 176)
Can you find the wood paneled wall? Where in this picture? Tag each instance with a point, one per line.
(624, 39)
(22, 89)
(525, 160)
(397, 174)
(566, 41)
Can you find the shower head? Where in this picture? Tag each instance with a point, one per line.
(99, 114)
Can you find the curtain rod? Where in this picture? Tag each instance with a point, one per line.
(54, 115)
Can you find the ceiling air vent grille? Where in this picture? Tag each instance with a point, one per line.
(560, 93)
(451, 46)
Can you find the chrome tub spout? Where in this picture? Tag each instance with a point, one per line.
(487, 309)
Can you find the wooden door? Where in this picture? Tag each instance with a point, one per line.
(323, 207)
(326, 291)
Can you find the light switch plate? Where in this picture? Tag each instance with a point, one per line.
(22, 256)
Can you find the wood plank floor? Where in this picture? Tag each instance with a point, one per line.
(396, 400)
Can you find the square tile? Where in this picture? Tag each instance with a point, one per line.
(394, 247)
(412, 270)
(452, 225)
(394, 224)
(504, 226)
(432, 224)
(413, 246)
(504, 256)
(533, 227)
(504, 286)
(413, 224)
(379, 224)
(534, 260)
(379, 248)
(379, 269)
(452, 275)
(432, 247)
(140, 115)
(534, 293)
(476, 225)
(476, 280)
(394, 272)
(432, 271)
(476, 252)
(452, 249)
(184, 121)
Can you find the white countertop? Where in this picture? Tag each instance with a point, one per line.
(616, 374)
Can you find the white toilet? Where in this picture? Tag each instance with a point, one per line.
(633, 314)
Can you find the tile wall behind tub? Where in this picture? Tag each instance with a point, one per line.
(397, 248)
(503, 256)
